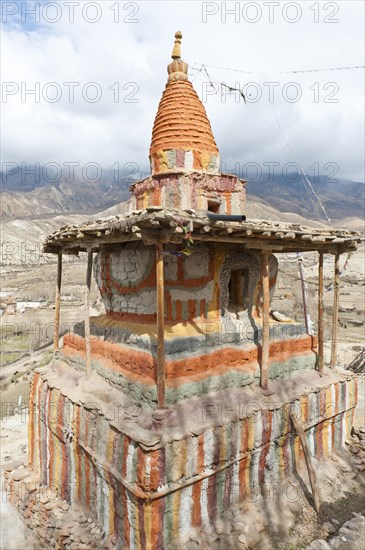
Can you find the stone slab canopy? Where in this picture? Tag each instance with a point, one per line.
(184, 157)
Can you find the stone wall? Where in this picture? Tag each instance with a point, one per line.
(193, 190)
(55, 523)
(196, 286)
(149, 494)
(188, 374)
(209, 344)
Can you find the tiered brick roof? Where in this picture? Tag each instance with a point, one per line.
(182, 136)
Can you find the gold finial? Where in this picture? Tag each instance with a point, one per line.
(176, 52)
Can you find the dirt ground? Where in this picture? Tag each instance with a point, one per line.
(14, 445)
(293, 525)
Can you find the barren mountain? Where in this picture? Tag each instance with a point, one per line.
(338, 198)
(22, 239)
(77, 197)
(32, 210)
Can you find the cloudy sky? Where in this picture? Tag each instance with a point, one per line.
(99, 68)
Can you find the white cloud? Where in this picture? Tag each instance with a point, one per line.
(106, 52)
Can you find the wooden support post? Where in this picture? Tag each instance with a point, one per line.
(56, 331)
(160, 327)
(311, 471)
(87, 313)
(336, 294)
(264, 380)
(304, 294)
(320, 313)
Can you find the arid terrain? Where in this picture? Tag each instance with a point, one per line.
(27, 307)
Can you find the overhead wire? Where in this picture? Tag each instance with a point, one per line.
(307, 183)
(294, 71)
(304, 178)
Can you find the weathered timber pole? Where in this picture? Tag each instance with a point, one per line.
(87, 314)
(311, 471)
(264, 380)
(336, 294)
(320, 313)
(304, 294)
(160, 327)
(56, 329)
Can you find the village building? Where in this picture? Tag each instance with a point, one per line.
(9, 306)
(147, 419)
(27, 303)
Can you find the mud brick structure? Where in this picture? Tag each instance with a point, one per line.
(175, 403)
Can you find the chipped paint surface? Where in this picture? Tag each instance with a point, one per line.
(148, 496)
(208, 345)
(134, 371)
(181, 125)
(178, 189)
(196, 286)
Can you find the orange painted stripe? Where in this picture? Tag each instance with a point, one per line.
(236, 357)
(118, 357)
(196, 519)
(155, 474)
(140, 366)
(157, 524)
(141, 468)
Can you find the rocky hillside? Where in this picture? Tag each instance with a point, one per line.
(341, 198)
(31, 196)
(79, 197)
(31, 210)
(22, 239)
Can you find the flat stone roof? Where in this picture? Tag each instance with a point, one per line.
(96, 394)
(158, 224)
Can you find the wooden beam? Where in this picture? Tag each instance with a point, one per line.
(160, 287)
(264, 379)
(56, 330)
(92, 242)
(311, 471)
(320, 362)
(295, 246)
(336, 294)
(87, 313)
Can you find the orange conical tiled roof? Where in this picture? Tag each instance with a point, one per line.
(182, 137)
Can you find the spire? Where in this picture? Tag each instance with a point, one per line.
(178, 69)
(176, 52)
(182, 138)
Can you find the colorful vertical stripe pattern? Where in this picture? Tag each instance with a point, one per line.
(149, 499)
(175, 190)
